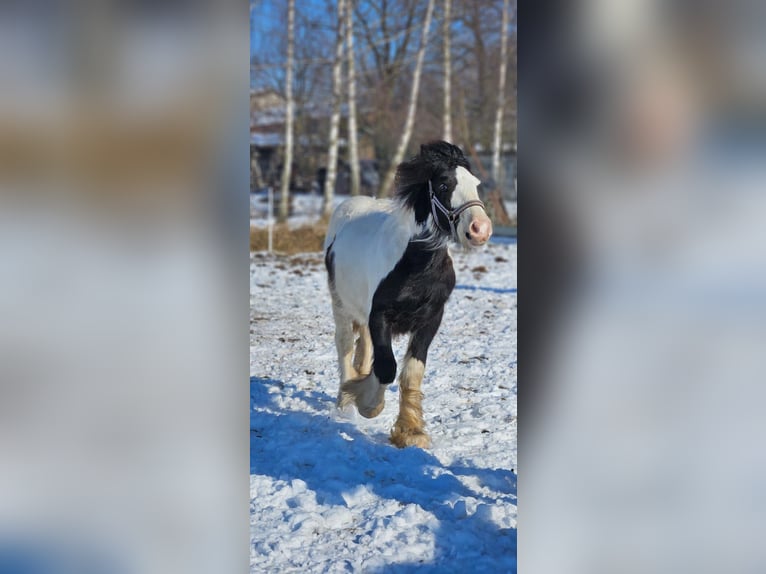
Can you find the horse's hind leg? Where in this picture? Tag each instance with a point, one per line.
(367, 392)
(344, 344)
(363, 352)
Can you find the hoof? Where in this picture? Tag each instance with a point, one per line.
(404, 438)
(371, 413)
(366, 393)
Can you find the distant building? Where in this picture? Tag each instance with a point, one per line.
(267, 140)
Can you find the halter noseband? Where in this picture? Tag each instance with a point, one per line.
(451, 214)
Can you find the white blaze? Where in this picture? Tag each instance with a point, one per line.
(466, 190)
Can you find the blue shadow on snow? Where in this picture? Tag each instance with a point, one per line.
(490, 289)
(288, 445)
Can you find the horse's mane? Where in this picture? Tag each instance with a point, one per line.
(412, 175)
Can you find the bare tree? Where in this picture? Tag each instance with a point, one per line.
(474, 14)
(497, 143)
(381, 47)
(332, 154)
(288, 159)
(387, 32)
(353, 140)
(404, 140)
(446, 28)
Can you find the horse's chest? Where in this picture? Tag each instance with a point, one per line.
(416, 291)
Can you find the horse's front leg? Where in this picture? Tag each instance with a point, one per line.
(368, 392)
(409, 427)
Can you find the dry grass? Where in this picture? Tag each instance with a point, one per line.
(304, 239)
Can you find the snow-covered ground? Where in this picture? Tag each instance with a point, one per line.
(328, 492)
(306, 208)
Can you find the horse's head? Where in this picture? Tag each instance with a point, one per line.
(438, 184)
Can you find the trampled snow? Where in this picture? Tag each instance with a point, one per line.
(328, 492)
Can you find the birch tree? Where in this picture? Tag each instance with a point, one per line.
(404, 140)
(289, 112)
(500, 96)
(332, 154)
(353, 141)
(388, 29)
(446, 27)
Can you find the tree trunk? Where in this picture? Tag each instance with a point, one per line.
(481, 122)
(496, 146)
(446, 27)
(404, 141)
(353, 142)
(284, 200)
(255, 170)
(463, 117)
(332, 153)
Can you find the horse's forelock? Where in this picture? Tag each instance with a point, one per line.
(443, 155)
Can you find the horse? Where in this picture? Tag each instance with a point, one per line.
(390, 273)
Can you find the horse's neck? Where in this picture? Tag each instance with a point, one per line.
(404, 218)
(419, 258)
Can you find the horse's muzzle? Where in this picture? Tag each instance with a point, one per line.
(480, 230)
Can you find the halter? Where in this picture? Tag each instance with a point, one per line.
(451, 214)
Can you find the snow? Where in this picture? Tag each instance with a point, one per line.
(512, 208)
(307, 208)
(328, 492)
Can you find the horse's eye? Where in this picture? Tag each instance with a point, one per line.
(443, 187)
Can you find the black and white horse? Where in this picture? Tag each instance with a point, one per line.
(390, 274)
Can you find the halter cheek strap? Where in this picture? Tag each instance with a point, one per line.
(452, 215)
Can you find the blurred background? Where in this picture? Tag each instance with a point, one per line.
(123, 286)
(641, 286)
(343, 91)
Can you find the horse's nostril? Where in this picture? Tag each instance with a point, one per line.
(479, 231)
(467, 235)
